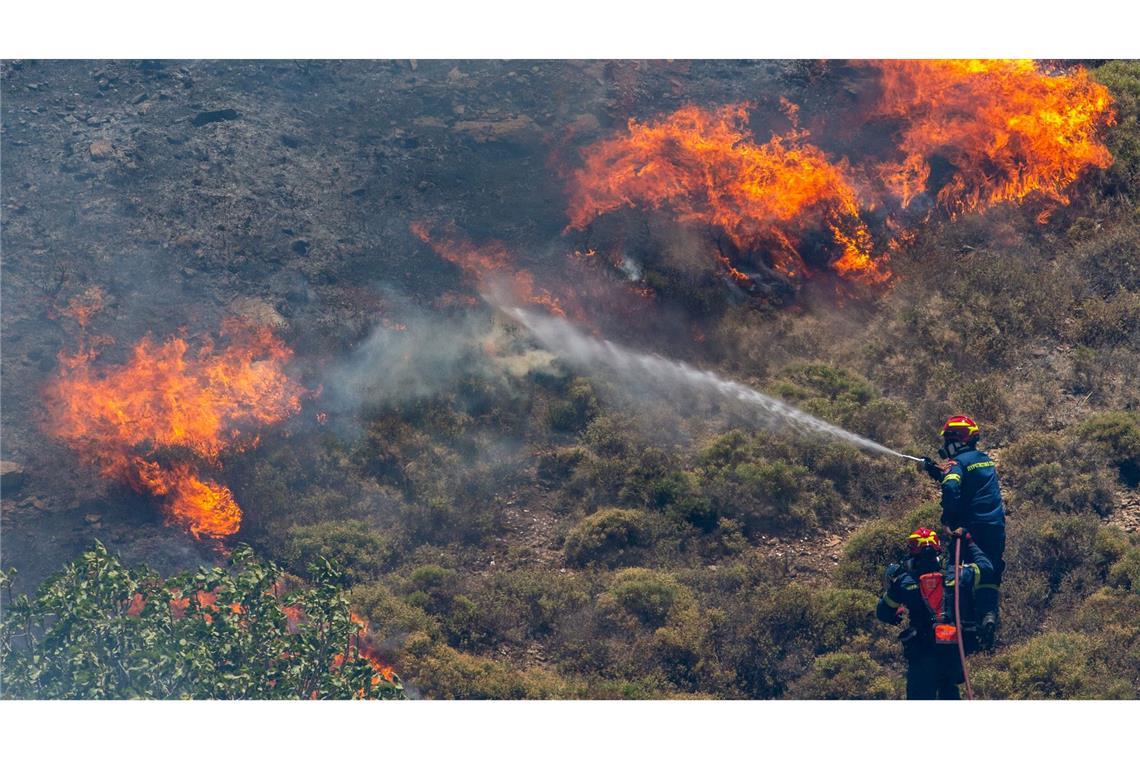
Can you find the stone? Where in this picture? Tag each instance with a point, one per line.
(209, 117)
(485, 131)
(101, 150)
(12, 476)
(258, 312)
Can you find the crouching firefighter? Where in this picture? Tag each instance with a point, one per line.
(971, 499)
(921, 592)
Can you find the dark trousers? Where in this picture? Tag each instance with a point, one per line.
(934, 674)
(991, 540)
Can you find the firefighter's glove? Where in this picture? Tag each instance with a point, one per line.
(932, 469)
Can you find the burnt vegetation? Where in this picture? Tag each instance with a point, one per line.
(516, 531)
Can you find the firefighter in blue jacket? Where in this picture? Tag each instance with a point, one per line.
(921, 592)
(971, 499)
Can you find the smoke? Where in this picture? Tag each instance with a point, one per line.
(427, 354)
(650, 378)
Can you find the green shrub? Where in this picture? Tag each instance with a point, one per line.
(574, 411)
(648, 595)
(1118, 435)
(389, 617)
(845, 675)
(609, 537)
(364, 551)
(877, 544)
(520, 606)
(1123, 140)
(1108, 260)
(1051, 471)
(1125, 572)
(1105, 323)
(773, 634)
(442, 672)
(1058, 666)
(555, 467)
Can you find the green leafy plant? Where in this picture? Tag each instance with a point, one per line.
(98, 630)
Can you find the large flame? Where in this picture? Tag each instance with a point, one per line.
(705, 167)
(1008, 129)
(150, 421)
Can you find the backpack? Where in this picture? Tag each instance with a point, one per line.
(937, 591)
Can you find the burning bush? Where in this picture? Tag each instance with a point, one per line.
(150, 422)
(1008, 130)
(705, 167)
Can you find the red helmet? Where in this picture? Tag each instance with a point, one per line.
(923, 540)
(960, 429)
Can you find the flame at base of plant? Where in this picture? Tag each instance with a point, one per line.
(1008, 128)
(486, 260)
(153, 421)
(706, 167)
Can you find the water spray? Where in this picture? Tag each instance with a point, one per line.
(590, 353)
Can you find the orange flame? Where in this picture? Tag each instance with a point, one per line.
(169, 399)
(706, 167)
(1008, 128)
(481, 261)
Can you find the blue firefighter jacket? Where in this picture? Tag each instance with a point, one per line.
(903, 591)
(970, 492)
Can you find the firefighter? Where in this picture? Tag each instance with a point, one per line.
(921, 592)
(971, 499)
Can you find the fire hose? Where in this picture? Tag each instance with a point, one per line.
(958, 614)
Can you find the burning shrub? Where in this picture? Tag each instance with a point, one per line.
(151, 422)
(705, 166)
(609, 537)
(1008, 129)
(98, 630)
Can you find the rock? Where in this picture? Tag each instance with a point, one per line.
(209, 117)
(485, 131)
(12, 476)
(92, 519)
(259, 312)
(587, 123)
(101, 150)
